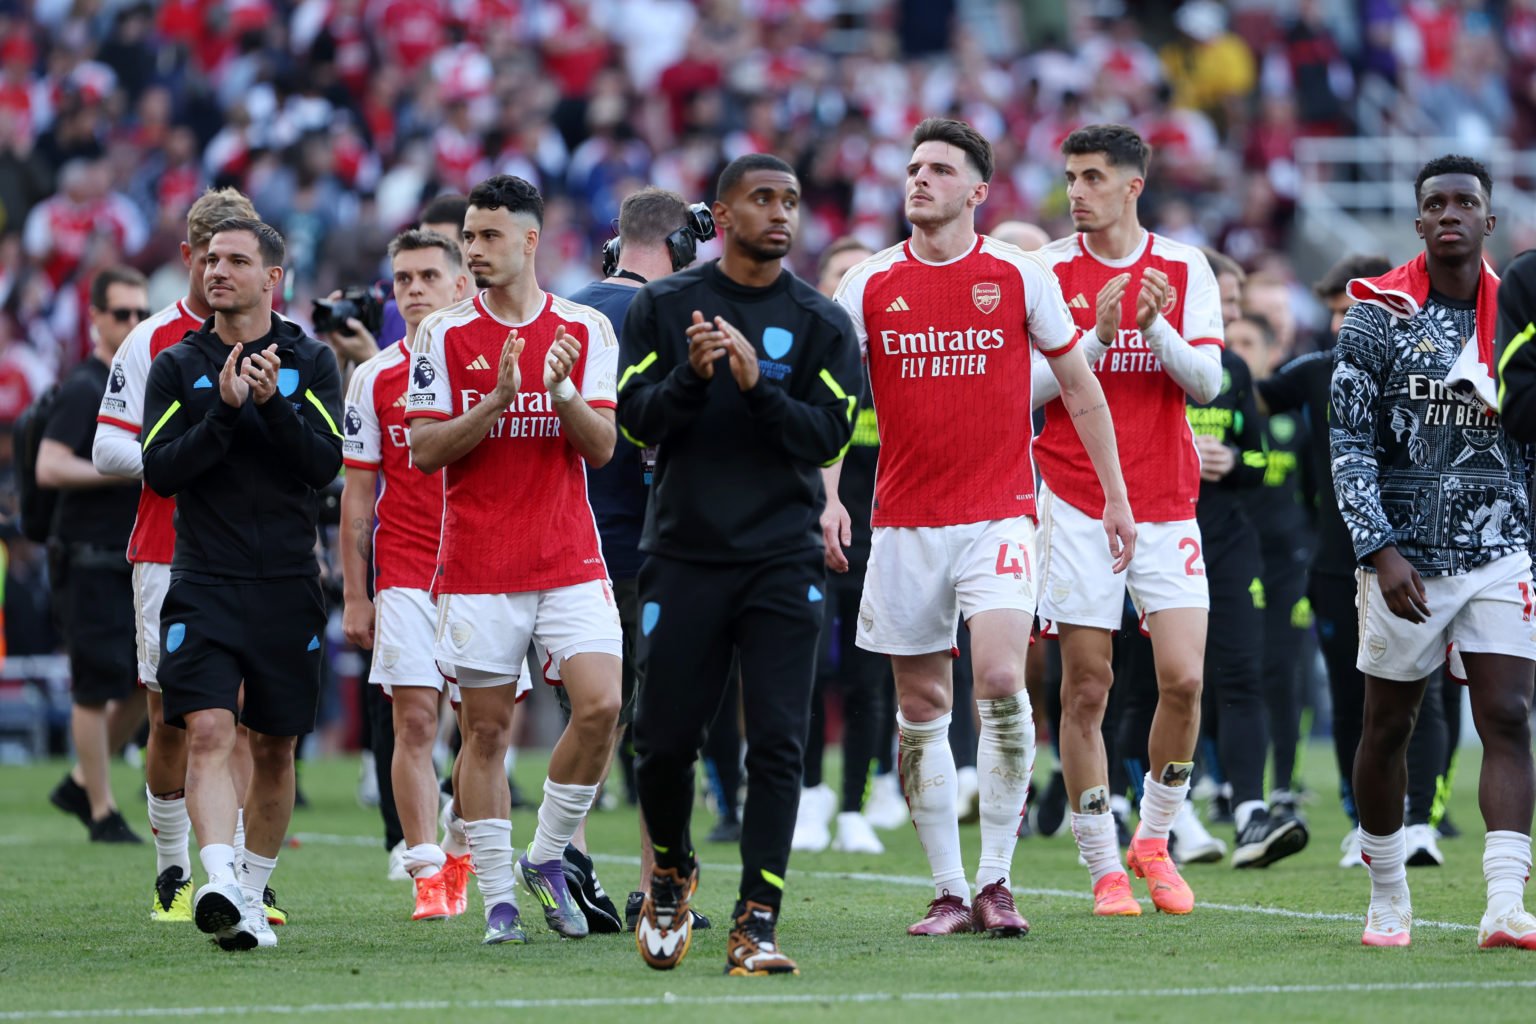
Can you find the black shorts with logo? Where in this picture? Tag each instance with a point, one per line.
(268, 634)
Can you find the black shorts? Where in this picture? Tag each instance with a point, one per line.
(270, 635)
(94, 609)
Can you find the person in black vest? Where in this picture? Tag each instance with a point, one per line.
(92, 580)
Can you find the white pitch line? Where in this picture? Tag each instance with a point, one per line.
(766, 999)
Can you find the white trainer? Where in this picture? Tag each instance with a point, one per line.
(886, 808)
(397, 872)
(253, 932)
(1423, 850)
(1350, 847)
(817, 805)
(855, 835)
(1388, 921)
(1513, 929)
(1192, 843)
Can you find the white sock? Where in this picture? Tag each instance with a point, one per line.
(1385, 858)
(560, 815)
(255, 870)
(490, 850)
(239, 842)
(169, 822)
(1506, 866)
(1159, 806)
(455, 843)
(219, 864)
(1005, 756)
(424, 860)
(1097, 842)
(927, 767)
(1244, 811)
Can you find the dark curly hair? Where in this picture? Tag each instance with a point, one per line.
(511, 193)
(1453, 163)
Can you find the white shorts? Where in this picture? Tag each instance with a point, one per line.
(1486, 611)
(150, 582)
(922, 579)
(1080, 586)
(489, 634)
(404, 634)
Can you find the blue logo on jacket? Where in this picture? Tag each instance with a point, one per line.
(777, 342)
(202, 382)
(174, 636)
(287, 381)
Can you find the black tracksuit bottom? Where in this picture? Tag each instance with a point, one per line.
(693, 616)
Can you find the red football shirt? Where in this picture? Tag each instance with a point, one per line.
(409, 510)
(949, 351)
(122, 405)
(515, 516)
(1157, 450)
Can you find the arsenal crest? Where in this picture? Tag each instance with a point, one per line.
(1173, 300)
(987, 295)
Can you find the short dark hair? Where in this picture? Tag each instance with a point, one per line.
(1337, 277)
(845, 244)
(1453, 163)
(1121, 145)
(960, 135)
(1259, 320)
(1221, 263)
(648, 216)
(268, 242)
(744, 165)
(417, 239)
(105, 279)
(508, 192)
(445, 209)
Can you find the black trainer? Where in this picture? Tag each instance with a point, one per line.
(581, 877)
(1267, 839)
(70, 797)
(113, 829)
(632, 913)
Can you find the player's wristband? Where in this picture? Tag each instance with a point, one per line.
(563, 392)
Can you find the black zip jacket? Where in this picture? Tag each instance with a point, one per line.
(738, 474)
(1233, 419)
(246, 480)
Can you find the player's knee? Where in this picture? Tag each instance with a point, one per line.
(999, 681)
(166, 737)
(923, 702)
(597, 716)
(1086, 697)
(1387, 729)
(415, 727)
(488, 737)
(272, 754)
(1505, 716)
(208, 738)
(1180, 689)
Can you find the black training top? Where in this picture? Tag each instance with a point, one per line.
(98, 516)
(738, 474)
(1304, 384)
(246, 479)
(1232, 419)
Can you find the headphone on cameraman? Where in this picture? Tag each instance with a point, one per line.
(682, 244)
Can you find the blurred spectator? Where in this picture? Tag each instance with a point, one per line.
(1210, 69)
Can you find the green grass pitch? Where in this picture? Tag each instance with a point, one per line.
(1281, 944)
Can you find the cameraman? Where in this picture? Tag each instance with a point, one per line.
(92, 580)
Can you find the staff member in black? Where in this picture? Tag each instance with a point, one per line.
(240, 422)
(92, 581)
(746, 379)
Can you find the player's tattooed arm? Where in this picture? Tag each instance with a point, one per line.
(1092, 410)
